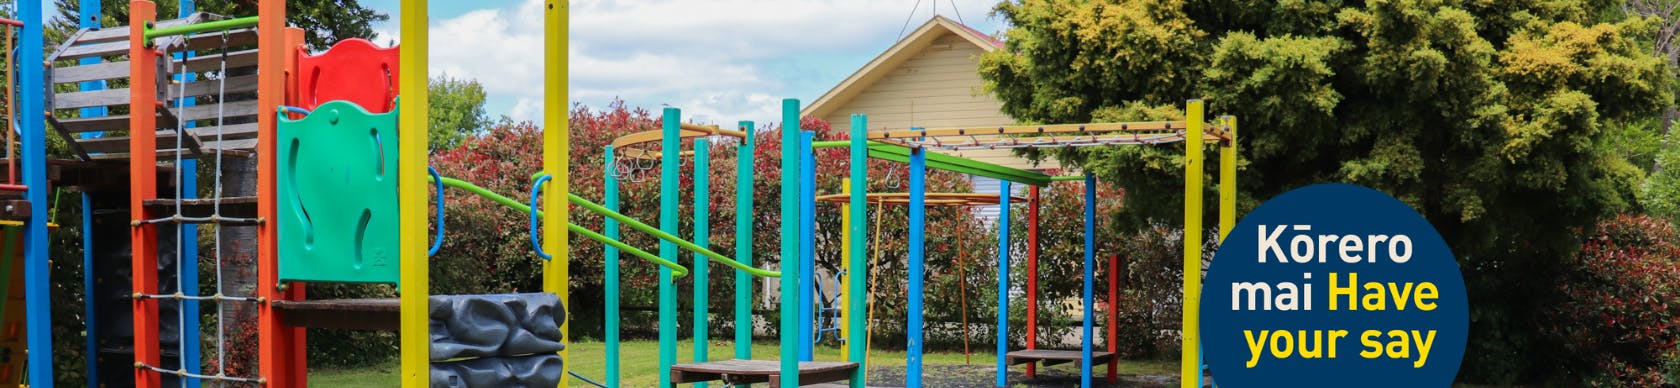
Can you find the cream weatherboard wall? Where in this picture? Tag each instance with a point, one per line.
(928, 79)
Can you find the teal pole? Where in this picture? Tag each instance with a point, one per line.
(790, 243)
(857, 292)
(610, 274)
(1003, 285)
(670, 150)
(702, 226)
(743, 243)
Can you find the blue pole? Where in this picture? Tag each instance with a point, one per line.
(90, 14)
(610, 274)
(1090, 267)
(702, 236)
(36, 268)
(918, 210)
(187, 234)
(1003, 285)
(807, 247)
(670, 150)
(743, 243)
(790, 248)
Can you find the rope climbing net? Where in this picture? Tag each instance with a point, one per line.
(180, 221)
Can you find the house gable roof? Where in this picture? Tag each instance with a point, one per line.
(900, 52)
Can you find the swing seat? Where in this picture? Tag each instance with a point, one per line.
(1048, 357)
(741, 372)
(338, 196)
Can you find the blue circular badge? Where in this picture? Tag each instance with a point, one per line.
(1334, 285)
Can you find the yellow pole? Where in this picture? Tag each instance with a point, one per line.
(1191, 356)
(556, 149)
(415, 339)
(845, 263)
(1228, 180)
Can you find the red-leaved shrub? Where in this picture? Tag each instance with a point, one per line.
(1615, 318)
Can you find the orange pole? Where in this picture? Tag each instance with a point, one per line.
(142, 183)
(280, 348)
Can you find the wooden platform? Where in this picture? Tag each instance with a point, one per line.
(237, 116)
(356, 314)
(737, 372)
(1052, 357)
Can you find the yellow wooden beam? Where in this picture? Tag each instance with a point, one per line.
(415, 339)
(556, 151)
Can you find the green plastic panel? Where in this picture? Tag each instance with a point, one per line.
(338, 196)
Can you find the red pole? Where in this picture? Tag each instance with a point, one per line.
(142, 176)
(1113, 314)
(1032, 275)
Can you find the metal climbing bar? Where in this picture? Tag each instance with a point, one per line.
(678, 269)
(685, 244)
(210, 26)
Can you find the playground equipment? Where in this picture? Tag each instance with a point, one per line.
(911, 146)
(271, 102)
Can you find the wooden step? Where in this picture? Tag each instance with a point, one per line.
(107, 49)
(213, 40)
(236, 207)
(236, 59)
(97, 124)
(120, 97)
(166, 138)
(94, 72)
(167, 155)
(355, 314)
(229, 109)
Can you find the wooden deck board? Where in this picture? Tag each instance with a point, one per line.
(355, 314)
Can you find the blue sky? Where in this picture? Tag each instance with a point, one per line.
(721, 61)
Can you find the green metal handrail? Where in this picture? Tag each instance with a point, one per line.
(210, 26)
(676, 269)
(685, 244)
(638, 225)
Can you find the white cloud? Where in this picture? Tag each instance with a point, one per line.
(720, 61)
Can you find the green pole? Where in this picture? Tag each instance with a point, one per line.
(702, 304)
(670, 147)
(210, 26)
(743, 243)
(610, 275)
(857, 293)
(790, 243)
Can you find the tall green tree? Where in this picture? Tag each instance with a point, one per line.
(326, 21)
(1489, 117)
(457, 111)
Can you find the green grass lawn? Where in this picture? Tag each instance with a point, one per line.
(640, 363)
